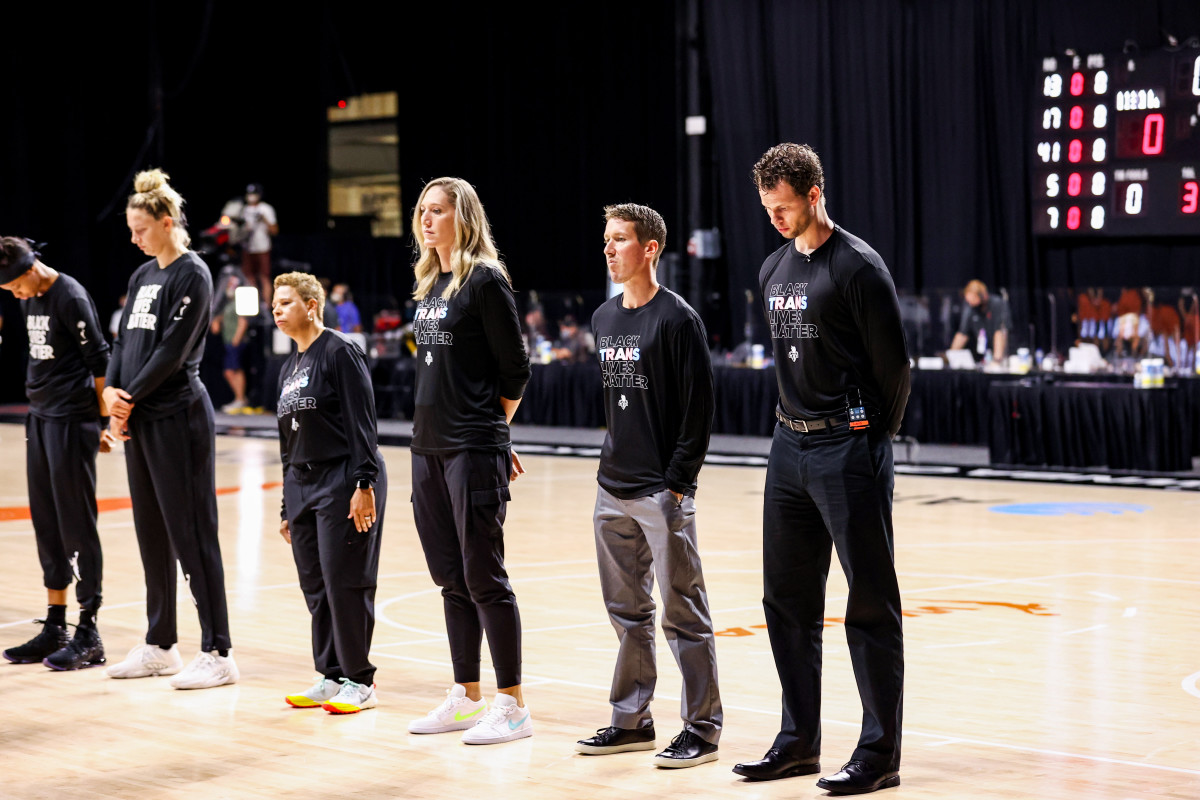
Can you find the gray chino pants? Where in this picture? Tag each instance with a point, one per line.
(635, 541)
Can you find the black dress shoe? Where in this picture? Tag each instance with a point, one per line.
(616, 740)
(774, 765)
(859, 777)
(686, 750)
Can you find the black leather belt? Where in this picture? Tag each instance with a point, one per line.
(811, 425)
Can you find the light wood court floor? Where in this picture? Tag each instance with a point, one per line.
(1050, 654)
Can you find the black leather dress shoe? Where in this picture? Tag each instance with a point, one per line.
(859, 777)
(774, 765)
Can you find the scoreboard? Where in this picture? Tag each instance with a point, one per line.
(1117, 145)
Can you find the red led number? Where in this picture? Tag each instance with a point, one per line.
(1076, 118)
(1074, 184)
(1152, 134)
(1073, 218)
(1190, 201)
(1075, 151)
(1077, 84)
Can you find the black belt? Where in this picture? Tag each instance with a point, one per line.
(811, 425)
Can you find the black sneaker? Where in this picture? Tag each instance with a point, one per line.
(84, 650)
(53, 637)
(616, 740)
(686, 750)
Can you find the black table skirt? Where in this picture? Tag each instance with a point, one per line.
(945, 406)
(1089, 425)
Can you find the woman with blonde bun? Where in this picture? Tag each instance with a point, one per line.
(161, 410)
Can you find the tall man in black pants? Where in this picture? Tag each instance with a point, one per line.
(68, 356)
(843, 384)
(658, 402)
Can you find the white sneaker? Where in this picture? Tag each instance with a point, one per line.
(351, 698)
(456, 713)
(324, 689)
(146, 660)
(206, 671)
(503, 722)
(233, 408)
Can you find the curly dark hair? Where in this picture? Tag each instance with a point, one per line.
(798, 164)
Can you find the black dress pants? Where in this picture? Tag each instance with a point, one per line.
(826, 490)
(459, 503)
(60, 465)
(338, 566)
(172, 482)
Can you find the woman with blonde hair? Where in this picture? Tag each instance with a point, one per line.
(162, 412)
(331, 466)
(471, 372)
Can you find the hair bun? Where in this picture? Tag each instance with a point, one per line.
(150, 180)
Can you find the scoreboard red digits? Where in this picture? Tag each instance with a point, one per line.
(1117, 145)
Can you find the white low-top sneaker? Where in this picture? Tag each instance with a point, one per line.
(206, 671)
(146, 660)
(324, 689)
(456, 713)
(503, 722)
(351, 698)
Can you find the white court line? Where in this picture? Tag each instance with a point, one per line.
(1084, 630)
(942, 738)
(1043, 542)
(1189, 684)
(961, 644)
(1129, 612)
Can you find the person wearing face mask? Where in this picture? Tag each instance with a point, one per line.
(161, 410)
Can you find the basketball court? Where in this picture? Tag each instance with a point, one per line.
(1051, 640)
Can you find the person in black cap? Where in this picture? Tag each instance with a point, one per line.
(259, 225)
(68, 356)
(159, 407)
(843, 374)
(331, 465)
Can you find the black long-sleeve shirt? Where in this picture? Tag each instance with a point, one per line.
(327, 407)
(835, 330)
(469, 354)
(157, 356)
(658, 395)
(67, 352)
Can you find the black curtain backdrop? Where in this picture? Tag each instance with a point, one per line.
(551, 115)
(918, 107)
(920, 111)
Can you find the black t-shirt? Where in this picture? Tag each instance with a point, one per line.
(989, 316)
(156, 357)
(835, 330)
(469, 354)
(327, 407)
(658, 395)
(67, 352)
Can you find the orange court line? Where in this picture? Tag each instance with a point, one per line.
(114, 503)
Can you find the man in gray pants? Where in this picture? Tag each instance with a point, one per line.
(658, 402)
